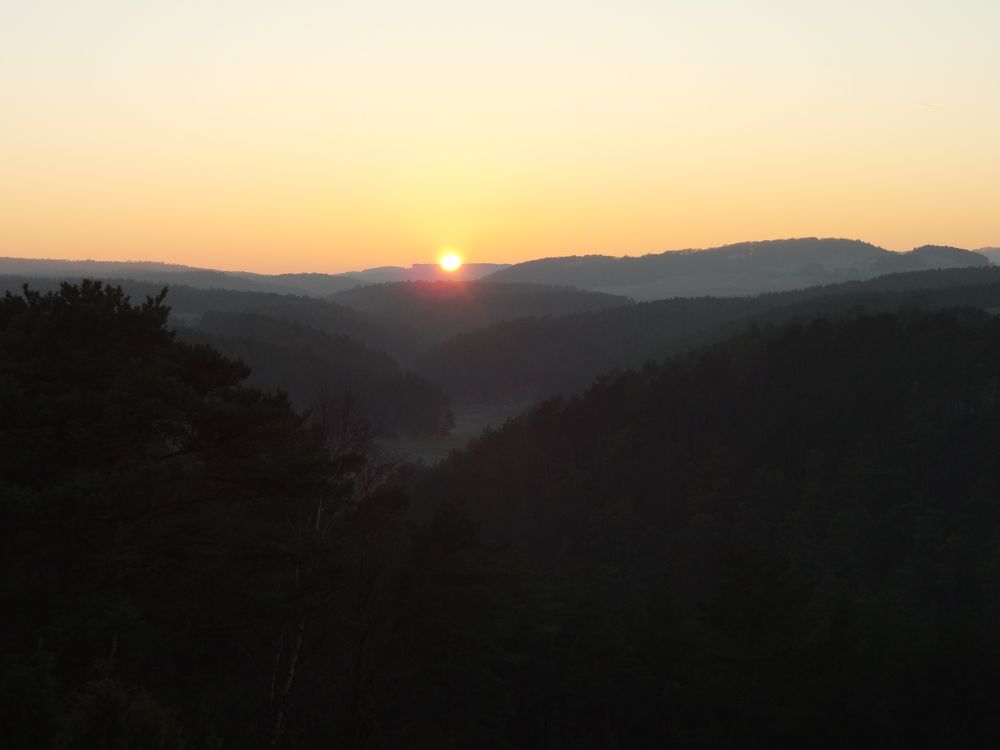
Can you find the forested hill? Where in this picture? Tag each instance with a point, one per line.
(435, 310)
(188, 303)
(189, 564)
(318, 370)
(316, 351)
(536, 358)
(739, 269)
(170, 274)
(990, 253)
(790, 539)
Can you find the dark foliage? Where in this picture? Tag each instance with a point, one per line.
(535, 358)
(313, 350)
(434, 310)
(188, 304)
(791, 538)
(313, 367)
(153, 512)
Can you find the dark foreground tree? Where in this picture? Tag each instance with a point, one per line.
(158, 518)
(190, 559)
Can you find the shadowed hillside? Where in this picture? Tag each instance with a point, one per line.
(423, 272)
(188, 304)
(534, 358)
(318, 370)
(316, 351)
(435, 310)
(786, 540)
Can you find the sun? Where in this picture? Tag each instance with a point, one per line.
(450, 262)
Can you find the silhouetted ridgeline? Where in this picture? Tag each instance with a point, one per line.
(744, 268)
(318, 352)
(739, 269)
(188, 305)
(991, 253)
(422, 272)
(316, 368)
(171, 274)
(433, 311)
(537, 358)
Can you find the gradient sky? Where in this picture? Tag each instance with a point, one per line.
(327, 136)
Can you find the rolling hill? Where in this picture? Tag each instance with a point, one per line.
(423, 272)
(188, 303)
(533, 358)
(168, 274)
(318, 352)
(745, 539)
(171, 274)
(990, 253)
(319, 370)
(740, 269)
(435, 310)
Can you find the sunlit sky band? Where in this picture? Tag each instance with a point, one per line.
(336, 135)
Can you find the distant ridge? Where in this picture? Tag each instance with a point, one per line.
(53, 266)
(731, 270)
(534, 359)
(424, 272)
(309, 284)
(742, 268)
(174, 274)
(991, 253)
(435, 310)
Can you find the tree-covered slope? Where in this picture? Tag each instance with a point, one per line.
(537, 358)
(316, 351)
(435, 310)
(188, 304)
(789, 538)
(145, 494)
(186, 563)
(318, 369)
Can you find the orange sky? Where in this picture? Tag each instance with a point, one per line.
(333, 136)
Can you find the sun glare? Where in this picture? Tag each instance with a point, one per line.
(450, 262)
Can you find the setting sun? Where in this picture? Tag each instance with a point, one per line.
(450, 262)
